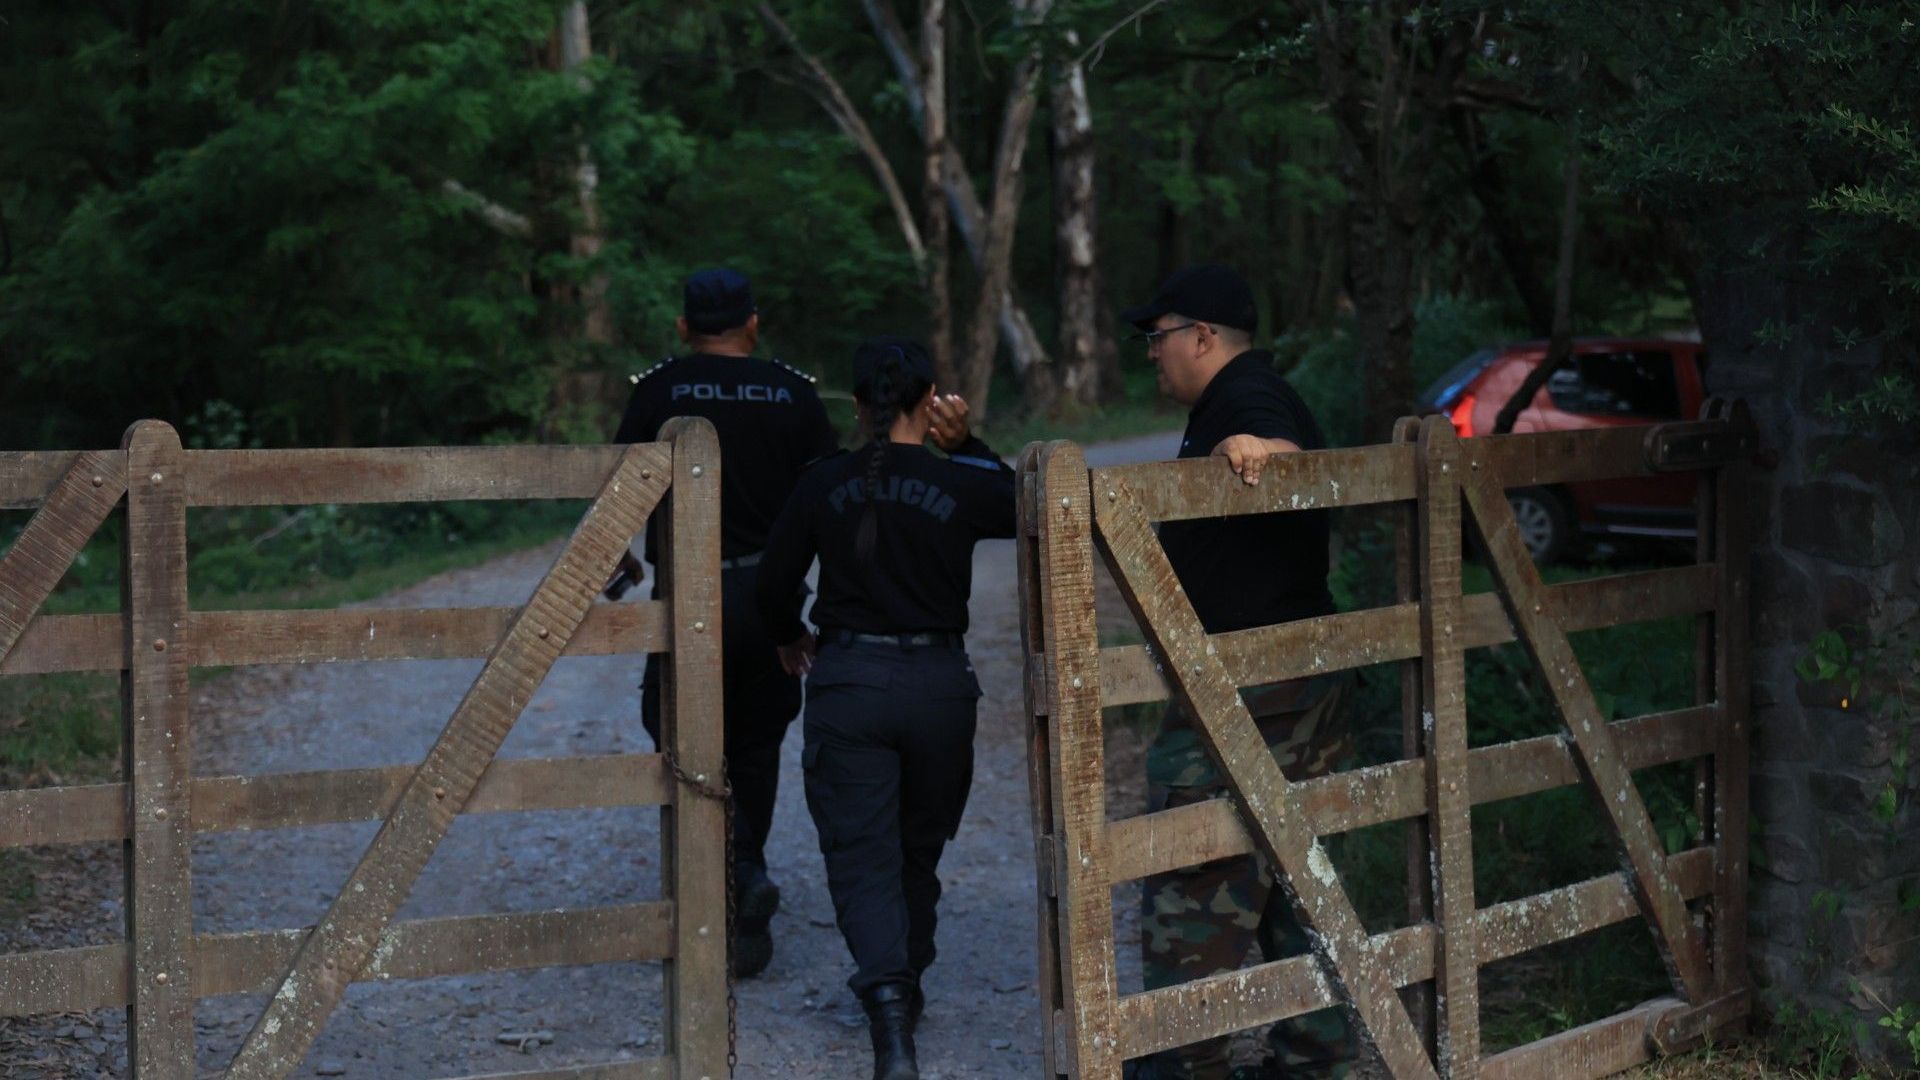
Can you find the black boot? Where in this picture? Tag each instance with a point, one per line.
(756, 898)
(890, 1021)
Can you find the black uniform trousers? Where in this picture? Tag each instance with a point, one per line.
(889, 761)
(759, 701)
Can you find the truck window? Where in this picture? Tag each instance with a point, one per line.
(1618, 384)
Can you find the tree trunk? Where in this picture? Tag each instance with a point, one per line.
(840, 108)
(933, 130)
(583, 318)
(1560, 346)
(1087, 372)
(968, 216)
(1023, 98)
(1489, 186)
(1380, 257)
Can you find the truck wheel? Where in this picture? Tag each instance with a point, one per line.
(1545, 523)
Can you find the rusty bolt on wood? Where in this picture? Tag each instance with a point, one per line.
(159, 644)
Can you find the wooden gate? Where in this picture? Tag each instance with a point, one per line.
(1069, 511)
(164, 967)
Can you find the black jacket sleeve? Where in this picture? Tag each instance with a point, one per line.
(783, 568)
(638, 424)
(990, 487)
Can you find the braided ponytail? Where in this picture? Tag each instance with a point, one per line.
(895, 386)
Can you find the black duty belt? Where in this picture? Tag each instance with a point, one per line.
(848, 637)
(742, 561)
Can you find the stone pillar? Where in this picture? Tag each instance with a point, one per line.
(1835, 914)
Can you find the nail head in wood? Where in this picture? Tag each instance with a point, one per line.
(544, 632)
(1066, 500)
(700, 626)
(99, 480)
(159, 644)
(161, 977)
(696, 470)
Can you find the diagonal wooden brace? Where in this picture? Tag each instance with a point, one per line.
(48, 545)
(1522, 592)
(1268, 801)
(343, 943)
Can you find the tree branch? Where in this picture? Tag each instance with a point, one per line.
(502, 220)
(834, 100)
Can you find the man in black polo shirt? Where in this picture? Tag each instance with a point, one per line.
(771, 425)
(1238, 572)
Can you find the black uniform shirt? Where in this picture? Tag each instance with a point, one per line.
(770, 422)
(1258, 569)
(930, 511)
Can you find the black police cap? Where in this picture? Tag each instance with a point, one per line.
(1210, 293)
(716, 301)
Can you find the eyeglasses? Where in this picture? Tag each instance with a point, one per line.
(1152, 337)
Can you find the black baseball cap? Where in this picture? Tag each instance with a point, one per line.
(1210, 293)
(717, 301)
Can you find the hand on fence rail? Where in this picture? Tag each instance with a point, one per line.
(1247, 454)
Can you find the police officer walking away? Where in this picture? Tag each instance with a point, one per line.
(891, 697)
(771, 424)
(1239, 572)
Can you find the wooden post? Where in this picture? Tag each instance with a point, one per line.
(1406, 580)
(1079, 777)
(1731, 685)
(157, 748)
(1034, 636)
(1443, 693)
(694, 823)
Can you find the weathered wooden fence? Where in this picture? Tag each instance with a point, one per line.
(1069, 512)
(164, 966)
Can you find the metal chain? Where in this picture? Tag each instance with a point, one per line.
(724, 793)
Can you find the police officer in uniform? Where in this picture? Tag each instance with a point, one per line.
(891, 697)
(1239, 572)
(771, 424)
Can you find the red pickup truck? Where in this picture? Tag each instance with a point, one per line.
(1612, 382)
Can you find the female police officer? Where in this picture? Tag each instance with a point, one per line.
(891, 695)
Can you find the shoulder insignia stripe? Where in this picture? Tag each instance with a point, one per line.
(782, 363)
(637, 377)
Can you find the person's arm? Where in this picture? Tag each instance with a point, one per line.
(991, 509)
(783, 570)
(1266, 428)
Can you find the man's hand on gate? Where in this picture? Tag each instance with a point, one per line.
(1247, 454)
(796, 656)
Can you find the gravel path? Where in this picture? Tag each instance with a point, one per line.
(796, 1020)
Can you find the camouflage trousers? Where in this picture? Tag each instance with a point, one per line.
(1204, 919)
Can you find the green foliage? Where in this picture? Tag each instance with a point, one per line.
(280, 209)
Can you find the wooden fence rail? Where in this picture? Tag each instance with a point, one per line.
(159, 806)
(1692, 901)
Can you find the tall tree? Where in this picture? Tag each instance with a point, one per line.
(1388, 75)
(1088, 364)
